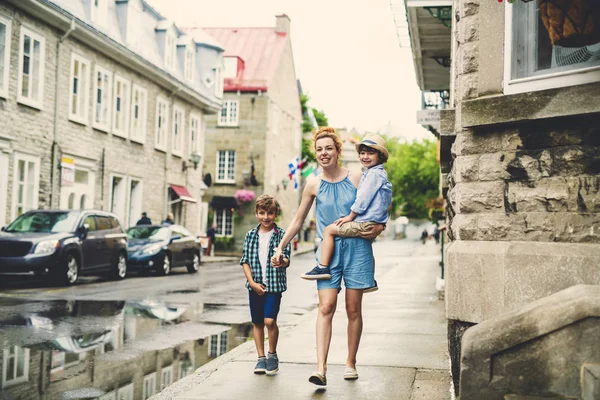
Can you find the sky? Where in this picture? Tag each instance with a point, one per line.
(347, 57)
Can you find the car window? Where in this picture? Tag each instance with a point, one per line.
(114, 223)
(175, 232)
(41, 221)
(148, 232)
(91, 222)
(103, 223)
(185, 232)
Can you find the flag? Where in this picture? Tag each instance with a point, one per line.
(308, 171)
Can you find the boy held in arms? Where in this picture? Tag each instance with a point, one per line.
(265, 283)
(373, 198)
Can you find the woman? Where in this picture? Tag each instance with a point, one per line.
(335, 192)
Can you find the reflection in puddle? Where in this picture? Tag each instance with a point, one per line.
(105, 350)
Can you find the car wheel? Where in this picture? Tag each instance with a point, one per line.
(165, 267)
(120, 271)
(68, 272)
(195, 265)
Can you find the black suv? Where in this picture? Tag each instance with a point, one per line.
(64, 244)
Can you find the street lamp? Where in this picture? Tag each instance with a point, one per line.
(194, 159)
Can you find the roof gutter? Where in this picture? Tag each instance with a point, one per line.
(63, 20)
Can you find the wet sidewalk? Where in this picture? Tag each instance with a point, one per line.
(303, 247)
(402, 355)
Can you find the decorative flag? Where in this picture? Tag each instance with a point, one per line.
(308, 171)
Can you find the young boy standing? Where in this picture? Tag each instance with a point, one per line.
(265, 283)
(373, 198)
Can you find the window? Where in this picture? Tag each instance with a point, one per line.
(118, 196)
(5, 31)
(139, 105)
(177, 145)
(219, 82)
(229, 113)
(149, 386)
(26, 180)
(532, 63)
(99, 11)
(15, 366)
(135, 200)
(217, 344)
(231, 66)
(224, 221)
(162, 122)
(80, 81)
(120, 106)
(109, 396)
(167, 376)
(196, 137)
(226, 166)
(170, 51)
(125, 393)
(189, 63)
(102, 85)
(31, 68)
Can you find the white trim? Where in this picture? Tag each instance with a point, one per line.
(124, 105)
(219, 82)
(169, 370)
(170, 50)
(550, 80)
(149, 377)
(126, 390)
(4, 86)
(36, 183)
(164, 126)
(197, 145)
(4, 162)
(178, 128)
(10, 382)
(428, 3)
(189, 63)
(227, 120)
(105, 127)
(83, 89)
(134, 210)
(225, 180)
(99, 18)
(27, 100)
(142, 116)
(224, 218)
(124, 180)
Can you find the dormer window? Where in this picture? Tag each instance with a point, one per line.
(189, 64)
(170, 49)
(231, 67)
(219, 82)
(99, 11)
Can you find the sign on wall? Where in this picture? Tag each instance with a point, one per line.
(67, 171)
(429, 117)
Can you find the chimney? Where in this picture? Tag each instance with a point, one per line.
(282, 23)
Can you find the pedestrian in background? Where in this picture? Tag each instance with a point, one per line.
(144, 220)
(335, 191)
(265, 283)
(210, 233)
(168, 220)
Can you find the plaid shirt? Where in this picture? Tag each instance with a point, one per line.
(276, 277)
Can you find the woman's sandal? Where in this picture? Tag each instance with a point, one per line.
(318, 378)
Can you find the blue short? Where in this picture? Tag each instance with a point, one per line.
(353, 260)
(265, 306)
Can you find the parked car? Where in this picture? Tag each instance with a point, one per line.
(64, 244)
(162, 248)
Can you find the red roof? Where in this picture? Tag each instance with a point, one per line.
(259, 48)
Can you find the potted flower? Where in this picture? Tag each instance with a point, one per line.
(570, 23)
(244, 196)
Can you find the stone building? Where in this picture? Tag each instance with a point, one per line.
(103, 105)
(519, 150)
(250, 143)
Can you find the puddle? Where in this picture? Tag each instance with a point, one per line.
(109, 350)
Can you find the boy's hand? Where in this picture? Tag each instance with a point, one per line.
(343, 220)
(277, 259)
(259, 288)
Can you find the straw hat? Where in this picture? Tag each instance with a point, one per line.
(374, 141)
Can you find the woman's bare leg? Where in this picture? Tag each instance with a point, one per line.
(355, 323)
(327, 305)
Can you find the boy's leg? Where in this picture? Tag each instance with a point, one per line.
(322, 271)
(271, 310)
(257, 305)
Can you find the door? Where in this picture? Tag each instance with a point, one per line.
(80, 194)
(91, 247)
(177, 247)
(105, 241)
(3, 187)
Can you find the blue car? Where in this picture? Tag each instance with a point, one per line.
(161, 248)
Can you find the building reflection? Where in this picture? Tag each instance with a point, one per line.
(106, 350)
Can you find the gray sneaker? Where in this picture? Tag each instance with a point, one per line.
(272, 365)
(261, 366)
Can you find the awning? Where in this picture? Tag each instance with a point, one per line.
(182, 193)
(223, 202)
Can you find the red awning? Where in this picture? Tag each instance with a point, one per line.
(183, 193)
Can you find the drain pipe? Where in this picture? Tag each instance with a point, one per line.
(55, 128)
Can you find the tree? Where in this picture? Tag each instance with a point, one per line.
(414, 173)
(307, 126)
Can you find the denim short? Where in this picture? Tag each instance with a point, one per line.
(353, 260)
(265, 306)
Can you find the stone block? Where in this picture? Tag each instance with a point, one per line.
(471, 142)
(590, 381)
(469, 7)
(469, 61)
(576, 227)
(536, 350)
(468, 86)
(493, 166)
(529, 165)
(589, 194)
(468, 29)
(548, 194)
(466, 168)
(472, 197)
(464, 226)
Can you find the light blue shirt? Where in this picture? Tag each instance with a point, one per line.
(373, 197)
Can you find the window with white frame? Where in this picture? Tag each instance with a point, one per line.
(196, 137)
(217, 344)
(149, 388)
(31, 68)
(231, 66)
(99, 11)
(166, 376)
(125, 392)
(109, 396)
(5, 31)
(15, 366)
(139, 105)
(80, 89)
(26, 181)
(229, 113)
(224, 220)
(189, 63)
(219, 82)
(177, 145)
(533, 63)
(226, 166)
(162, 123)
(118, 197)
(121, 106)
(102, 87)
(170, 50)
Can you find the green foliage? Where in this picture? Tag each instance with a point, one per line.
(414, 173)
(307, 150)
(224, 243)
